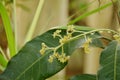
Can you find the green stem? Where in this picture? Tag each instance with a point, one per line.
(93, 31)
(89, 13)
(83, 8)
(15, 22)
(8, 30)
(96, 30)
(2, 68)
(3, 54)
(35, 20)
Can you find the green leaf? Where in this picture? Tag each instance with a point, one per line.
(84, 77)
(3, 59)
(3, 62)
(110, 62)
(89, 13)
(97, 43)
(8, 30)
(29, 64)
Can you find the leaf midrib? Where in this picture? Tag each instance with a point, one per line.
(35, 60)
(31, 65)
(115, 62)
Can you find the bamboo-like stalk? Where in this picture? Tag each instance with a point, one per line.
(5, 57)
(15, 23)
(89, 13)
(35, 20)
(8, 30)
(118, 11)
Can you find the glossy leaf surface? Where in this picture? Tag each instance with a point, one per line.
(29, 64)
(110, 62)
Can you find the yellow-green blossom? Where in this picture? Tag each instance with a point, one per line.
(51, 58)
(117, 37)
(55, 54)
(57, 33)
(44, 47)
(64, 39)
(70, 29)
(63, 58)
(86, 45)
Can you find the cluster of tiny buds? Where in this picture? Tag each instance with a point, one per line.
(60, 57)
(63, 39)
(86, 45)
(116, 37)
(57, 33)
(44, 48)
(66, 37)
(87, 42)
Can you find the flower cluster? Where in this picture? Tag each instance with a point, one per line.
(57, 33)
(70, 31)
(117, 37)
(62, 57)
(86, 45)
(44, 48)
